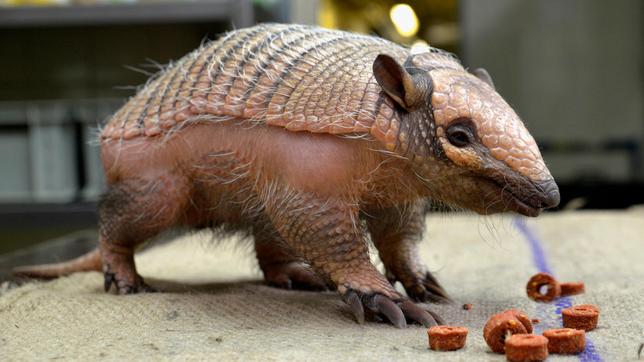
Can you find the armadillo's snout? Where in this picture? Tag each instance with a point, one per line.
(529, 198)
(550, 196)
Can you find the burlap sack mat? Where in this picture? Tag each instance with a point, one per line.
(215, 308)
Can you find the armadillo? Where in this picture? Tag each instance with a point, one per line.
(319, 143)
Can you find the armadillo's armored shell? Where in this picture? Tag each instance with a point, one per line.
(298, 77)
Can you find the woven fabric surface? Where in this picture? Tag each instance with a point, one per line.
(215, 307)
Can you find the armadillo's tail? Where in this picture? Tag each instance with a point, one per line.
(88, 262)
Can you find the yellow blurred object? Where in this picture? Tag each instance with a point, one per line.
(404, 19)
(419, 46)
(434, 21)
(327, 15)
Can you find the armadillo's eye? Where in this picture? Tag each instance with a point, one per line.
(460, 134)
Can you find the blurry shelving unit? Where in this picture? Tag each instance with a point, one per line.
(46, 150)
(63, 72)
(238, 12)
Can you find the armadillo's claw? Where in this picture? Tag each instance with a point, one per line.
(436, 317)
(425, 317)
(109, 280)
(293, 275)
(125, 285)
(353, 300)
(440, 321)
(139, 286)
(427, 289)
(133, 289)
(397, 312)
(381, 304)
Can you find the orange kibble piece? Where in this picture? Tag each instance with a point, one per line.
(565, 340)
(583, 316)
(446, 338)
(526, 347)
(539, 281)
(503, 324)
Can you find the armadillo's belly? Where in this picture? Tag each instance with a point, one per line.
(298, 77)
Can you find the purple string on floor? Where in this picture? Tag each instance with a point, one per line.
(541, 262)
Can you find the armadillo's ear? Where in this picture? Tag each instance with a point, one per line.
(483, 75)
(396, 81)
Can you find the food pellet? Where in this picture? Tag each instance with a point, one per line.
(526, 347)
(446, 338)
(503, 324)
(583, 316)
(543, 280)
(565, 340)
(523, 318)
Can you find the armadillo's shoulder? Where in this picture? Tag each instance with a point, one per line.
(298, 77)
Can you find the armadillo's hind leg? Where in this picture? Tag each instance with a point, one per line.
(130, 213)
(119, 270)
(281, 268)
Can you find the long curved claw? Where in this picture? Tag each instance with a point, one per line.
(437, 318)
(397, 312)
(293, 275)
(435, 287)
(353, 300)
(109, 279)
(425, 317)
(389, 309)
(428, 290)
(422, 288)
(428, 293)
(123, 287)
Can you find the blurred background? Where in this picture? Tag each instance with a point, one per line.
(573, 70)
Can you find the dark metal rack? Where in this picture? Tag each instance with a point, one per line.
(240, 13)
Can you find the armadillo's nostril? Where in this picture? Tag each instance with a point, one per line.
(551, 195)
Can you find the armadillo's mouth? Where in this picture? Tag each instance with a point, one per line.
(516, 204)
(511, 191)
(513, 199)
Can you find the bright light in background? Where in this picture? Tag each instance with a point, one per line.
(404, 19)
(419, 46)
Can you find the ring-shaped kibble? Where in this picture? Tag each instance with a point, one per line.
(540, 280)
(523, 318)
(583, 316)
(526, 347)
(446, 338)
(565, 340)
(500, 326)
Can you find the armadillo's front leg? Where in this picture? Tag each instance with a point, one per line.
(328, 235)
(396, 233)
